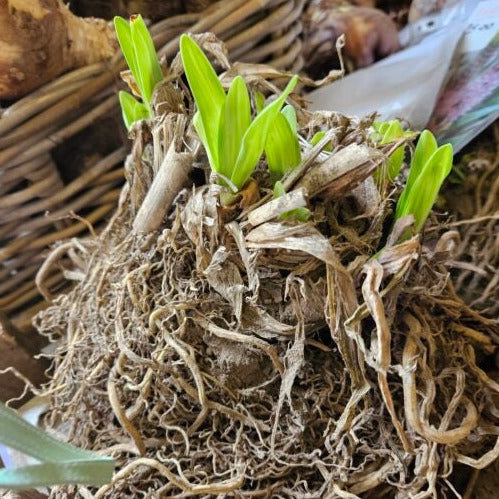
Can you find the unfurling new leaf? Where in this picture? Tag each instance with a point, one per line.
(234, 144)
(253, 142)
(140, 55)
(282, 147)
(387, 132)
(301, 214)
(430, 166)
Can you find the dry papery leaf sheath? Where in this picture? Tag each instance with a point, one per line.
(230, 352)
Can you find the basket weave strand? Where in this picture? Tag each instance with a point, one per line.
(37, 201)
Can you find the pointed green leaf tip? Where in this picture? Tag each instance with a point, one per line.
(236, 119)
(138, 49)
(429, 168)
(208, 94)
(255, 138)
(318, 136)
(233, 143)
(386, 132)
(282, 147)
(148, 69)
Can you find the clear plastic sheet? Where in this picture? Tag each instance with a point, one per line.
(446, 77)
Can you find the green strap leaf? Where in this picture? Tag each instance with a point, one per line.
(279, 189)
(282, 147)
(381, 127)
(386, 133)
(208, 94)
(423, 193)
(394, 163)
(132, 110)
(199, 127)
(234, 121)
(124, 35)
(425, 148)
(318, 136)
(61, 463)
(254, 139)
(149, 72)
(391, 132)
(290, 113)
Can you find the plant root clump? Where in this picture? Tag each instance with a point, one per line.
(236, 353)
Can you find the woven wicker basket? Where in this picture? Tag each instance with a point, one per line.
(62, 147)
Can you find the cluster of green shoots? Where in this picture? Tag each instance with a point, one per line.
(387, 132)
(429, 167)
(235, 141)
(138, 48)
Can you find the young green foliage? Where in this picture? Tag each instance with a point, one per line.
(138, 48)
(430, 166)
(208, 94)
(301, 214)
(233, 143)
(289, 113)
(56, 463)
(282, 148)
(387, 132)
(236, 119)
(132, 109)
(318, 136)
(255, 138)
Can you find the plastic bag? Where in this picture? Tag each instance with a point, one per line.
(407, 84)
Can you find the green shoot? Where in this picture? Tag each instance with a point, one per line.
(235, 120)
(318, 136)
(289, 113)
(132, 109)
(138, 48)
(282, 147)
(430, 166)
(301, 214)
(234, 144)
(56, 463)
(385, 133)
(255, 138)
(208, 94)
